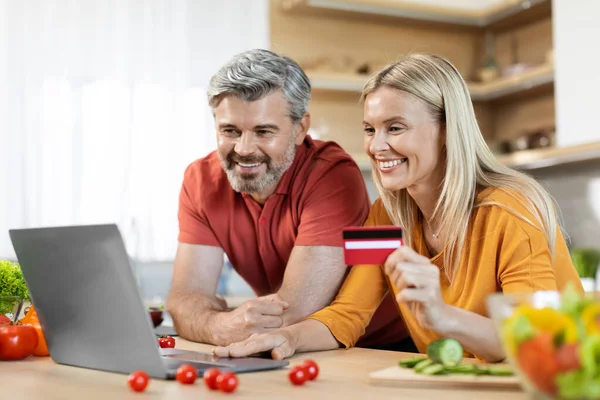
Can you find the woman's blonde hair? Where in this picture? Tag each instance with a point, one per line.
(470, 164)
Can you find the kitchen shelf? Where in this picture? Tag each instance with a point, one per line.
(507, 13)
(543, 158)
(535, 77)
(528, 160)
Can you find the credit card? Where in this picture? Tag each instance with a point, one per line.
(370, 244)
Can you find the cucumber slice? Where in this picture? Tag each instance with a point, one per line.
(434, 369)
(423, 364)
(447, 352)
(411, 362)
(499, 370)
(479, 370)
(461, 369)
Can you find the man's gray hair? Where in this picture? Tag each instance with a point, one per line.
(254, 74)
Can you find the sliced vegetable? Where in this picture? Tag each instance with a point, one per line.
(467, 369)
(499, 370)
(462, 369)
(536, 359)
(423, 364)
(567, 358)
(434, 369)
(411, 362)
(445, 351)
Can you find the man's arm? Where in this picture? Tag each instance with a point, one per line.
(200, 316)
(192, 300)
(316, 267)
(312, 278)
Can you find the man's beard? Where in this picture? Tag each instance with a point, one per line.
(256, 182)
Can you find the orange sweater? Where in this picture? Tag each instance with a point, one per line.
(502, 253)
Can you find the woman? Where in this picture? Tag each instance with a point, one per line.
(472, 226)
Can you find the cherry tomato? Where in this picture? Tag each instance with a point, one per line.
(311, 368)
(166, 342)
(210, 378)
(138, 380)
(186, 374)
(298, 375)
(17, 341)
(4, 320)
(227, 382)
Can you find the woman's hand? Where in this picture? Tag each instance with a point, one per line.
(279, 342)
(418, 283)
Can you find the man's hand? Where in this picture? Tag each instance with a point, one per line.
(259, 315)
(279, 343)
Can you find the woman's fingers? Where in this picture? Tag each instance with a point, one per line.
(425, 296)
(403, 254)
(406, 275)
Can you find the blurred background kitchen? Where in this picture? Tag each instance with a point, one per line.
(103, 103)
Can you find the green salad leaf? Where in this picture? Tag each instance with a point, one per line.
(12, 283)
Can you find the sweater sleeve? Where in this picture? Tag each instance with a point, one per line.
(361, 294)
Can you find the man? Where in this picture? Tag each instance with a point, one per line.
(272, 199)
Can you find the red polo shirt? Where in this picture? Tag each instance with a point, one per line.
(322, 192)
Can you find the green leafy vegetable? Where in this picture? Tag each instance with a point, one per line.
(12, 283)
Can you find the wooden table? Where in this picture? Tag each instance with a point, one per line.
(344, 375)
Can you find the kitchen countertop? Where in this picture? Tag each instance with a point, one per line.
(343, 375)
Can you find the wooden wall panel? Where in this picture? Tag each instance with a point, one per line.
(511, 119)
(533, 42)
(344, 43)
(309, 37)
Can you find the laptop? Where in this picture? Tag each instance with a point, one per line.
(85, 293)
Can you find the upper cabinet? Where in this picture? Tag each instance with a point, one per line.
(576, 34)
(467, 13)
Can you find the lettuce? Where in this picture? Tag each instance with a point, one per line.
(12, 283)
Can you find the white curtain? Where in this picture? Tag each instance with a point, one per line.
(103, 105)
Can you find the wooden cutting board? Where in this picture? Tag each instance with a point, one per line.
(397, 376)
